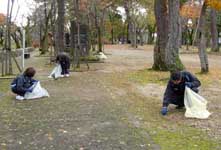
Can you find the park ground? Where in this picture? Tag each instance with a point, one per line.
(113, 106)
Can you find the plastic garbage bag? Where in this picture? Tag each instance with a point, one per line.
(56, 72)
(38, 92)
(196, 105)
(101, 56)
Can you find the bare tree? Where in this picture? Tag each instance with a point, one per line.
(214, 31)
(172, 49)
(59, 36)
(202, 41)
(8, 61)
(162, 34)
(127, 7)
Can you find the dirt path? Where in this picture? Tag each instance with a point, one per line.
(95, 110)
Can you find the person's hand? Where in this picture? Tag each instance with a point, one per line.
(164, 111)
(188, 84)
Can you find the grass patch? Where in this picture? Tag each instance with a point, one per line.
(209, 78)
(90, 58)
(168, 134)
(149, 76)
(4, 85)
(183, 139)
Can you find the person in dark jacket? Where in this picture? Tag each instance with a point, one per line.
(23, 83)
(174, 93)
(64, 60)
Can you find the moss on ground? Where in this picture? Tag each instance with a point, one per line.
(183, 139)
(149, 76)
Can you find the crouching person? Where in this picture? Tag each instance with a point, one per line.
(24, 83)
(174, 93)
(64, 60)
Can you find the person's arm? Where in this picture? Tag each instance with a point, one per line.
(20, 85)
(167, 95)
(192, 81)
(166, 99)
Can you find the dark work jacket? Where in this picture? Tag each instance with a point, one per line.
(63, 59)
(21, 83)
(175, 93)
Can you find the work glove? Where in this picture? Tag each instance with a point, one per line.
(188, 84)
(164, 111)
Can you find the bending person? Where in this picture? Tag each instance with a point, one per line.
(23, 83)
(64, 60)
(174, 93)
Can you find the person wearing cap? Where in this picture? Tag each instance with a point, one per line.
(174, 93)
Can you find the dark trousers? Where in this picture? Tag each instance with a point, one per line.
(179, 99)
(18, 92)
(65, 68)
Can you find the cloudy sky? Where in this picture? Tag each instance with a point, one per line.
(21, 7)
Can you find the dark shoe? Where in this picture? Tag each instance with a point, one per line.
(179, 107)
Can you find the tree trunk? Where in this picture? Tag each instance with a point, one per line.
(202, 41)
(190, 33)
(111, 18)
(134, 36)
(172, 49)
(27, 33)
(59, 37)
(98, 27)
(141, 38)
(1, 37)
(99, 39)
(16, 40)
(124, 34)
(162, 34)
(53, 22)
(44, 39)
(72, 38)
(8, 61)
(127, 5)
(40, 35)
(214, 32)
(150, 38)
(112, 36)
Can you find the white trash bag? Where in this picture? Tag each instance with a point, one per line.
(101, 56)
(38, 92)
(56, 72)
(195, 105)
